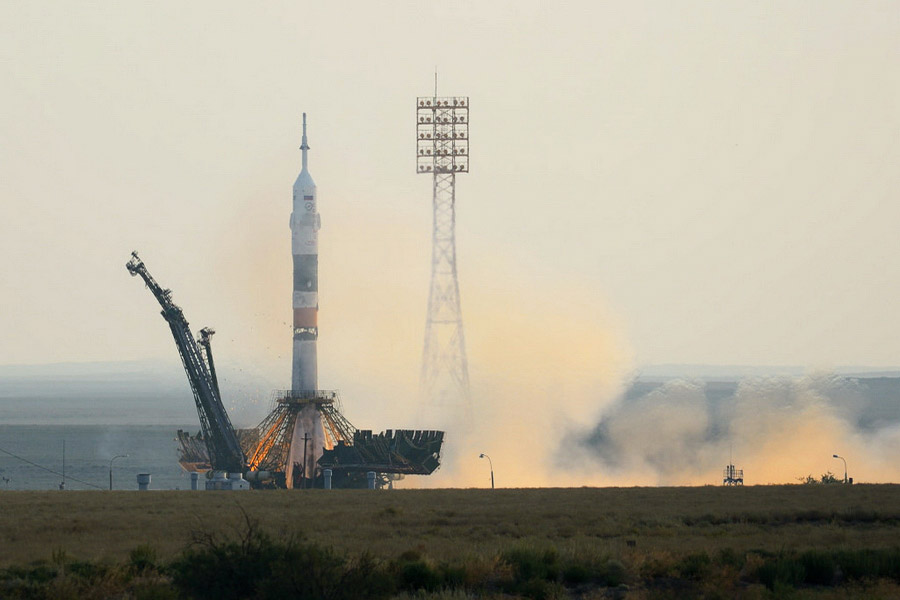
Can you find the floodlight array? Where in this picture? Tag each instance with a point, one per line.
(442, 134)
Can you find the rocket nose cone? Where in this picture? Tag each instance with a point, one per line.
(304, 183)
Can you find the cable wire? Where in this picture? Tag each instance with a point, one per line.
(34, 464)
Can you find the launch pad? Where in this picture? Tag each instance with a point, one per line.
(270, 455)
(349, 453)
(305, 440)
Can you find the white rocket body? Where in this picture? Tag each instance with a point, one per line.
(309, 433)
(305, 224)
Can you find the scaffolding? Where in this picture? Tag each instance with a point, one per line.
(733, 476)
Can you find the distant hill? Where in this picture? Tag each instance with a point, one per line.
(138, 392)
(157, 392)
(736, 372)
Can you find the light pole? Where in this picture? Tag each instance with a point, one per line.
(442, 152)
(845, 465)
(110, 467)
(482, 455)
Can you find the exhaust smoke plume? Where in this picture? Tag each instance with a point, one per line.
(552, 395)
(542, 368)
(779, 429)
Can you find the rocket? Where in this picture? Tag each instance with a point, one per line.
(308, 438)
(305, 223)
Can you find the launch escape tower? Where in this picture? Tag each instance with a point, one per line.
(442, 151)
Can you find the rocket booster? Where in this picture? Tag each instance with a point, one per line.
(305, 224)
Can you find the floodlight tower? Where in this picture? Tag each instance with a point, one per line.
(442, 151)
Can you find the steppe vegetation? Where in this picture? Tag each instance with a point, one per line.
(831, 541)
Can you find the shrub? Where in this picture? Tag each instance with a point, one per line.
(410, 555)
(530, 563)
(728, 557)
(256, 566)
(826, 478)
(155, 590)
(39, 573)
(575, 574)
(694, 566)
(311, 571)
(142, 558)
(367, 578)
(818, 567)
(541, 589)
(419, 575)
(453, 576)
(612, 573)
(414, 573)
(226, 569)
(782, 571)
(655, 566)
(87, 570)
(863, 564)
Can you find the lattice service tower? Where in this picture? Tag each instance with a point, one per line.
(442, 151)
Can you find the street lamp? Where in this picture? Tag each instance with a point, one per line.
(845, 465)
(110, 467)
(482, 455)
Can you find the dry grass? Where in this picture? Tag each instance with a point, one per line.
(461, 525)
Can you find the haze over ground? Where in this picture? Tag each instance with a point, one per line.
(651, 183)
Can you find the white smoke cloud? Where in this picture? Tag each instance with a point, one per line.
(779, 429)
(549, 364)
(542, 366)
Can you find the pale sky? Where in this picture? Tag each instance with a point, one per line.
(715, 181)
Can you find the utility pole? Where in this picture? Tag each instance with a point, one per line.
(111, 467)
(62, 485)
(491, 463)
(845, 465)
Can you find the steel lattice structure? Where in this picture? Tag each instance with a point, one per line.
(223, 447)
(442, 151)
(275, 431)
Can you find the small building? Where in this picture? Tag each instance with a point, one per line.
(733, 476)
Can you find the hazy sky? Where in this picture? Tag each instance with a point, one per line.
(714, 182)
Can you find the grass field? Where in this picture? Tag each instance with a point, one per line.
(652, 532)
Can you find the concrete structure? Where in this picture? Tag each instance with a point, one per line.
(227, 481)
